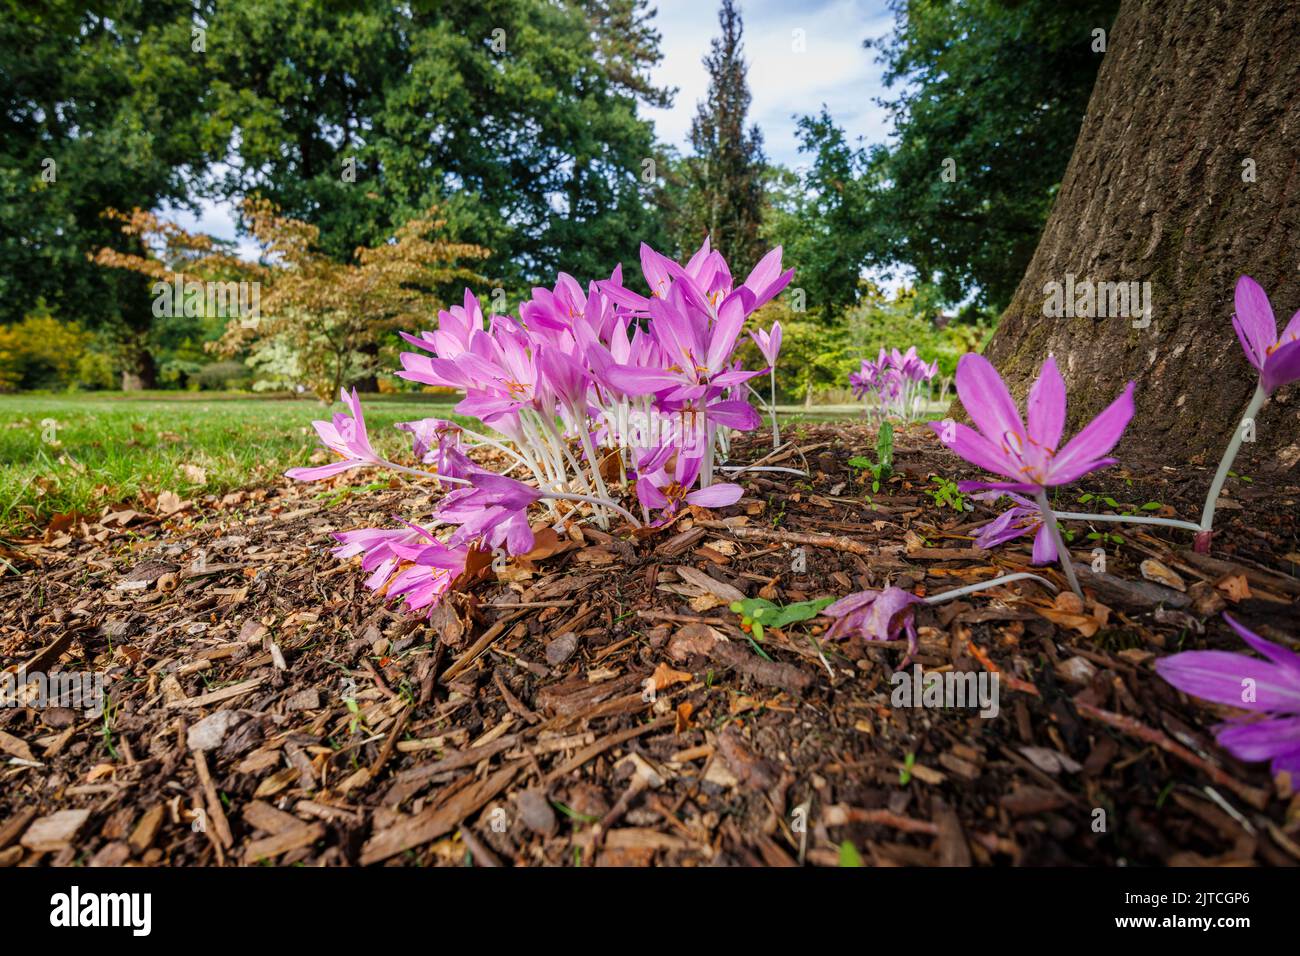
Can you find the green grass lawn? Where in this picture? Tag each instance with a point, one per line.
(109, 447)
(78, 452)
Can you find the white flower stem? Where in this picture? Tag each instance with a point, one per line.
(422, 474)
(1049, 519)
(769, 468)
(493, 443)
(776, 434)
(985, 585)
(1127, 519)
(593, 500)
(1229, 455)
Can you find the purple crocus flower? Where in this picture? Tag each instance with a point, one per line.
(494, 511)
(405, 561)
(766, 281)
(376, 547)
(1269, 688)
(876, 616)
(345, 435)
(1028, 455)
(1020, 519)
(429, 575)
(436, 442)
(1277, 359)
(669, 491)
(769, 343)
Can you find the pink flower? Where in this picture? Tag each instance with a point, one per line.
(1028, 455)
(1277, 359)
(345, 435)
(876, 616)
(656, 488)
(493, 513)
(407, 562)
(1020, 519)
(769, 343)
(1269, 688)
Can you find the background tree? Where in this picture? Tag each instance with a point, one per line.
(319, 322)
(103, 106)
(725, 172)
(999, 88)
(1175, 182)
(823, 214)
(516, 116)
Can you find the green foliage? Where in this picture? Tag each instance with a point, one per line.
(522, 114)
(999, 88)
(825, 219)
(945, 493)
(819, 353)
(77, 452)
(849, 855)
(758, 613)
(990, 99)
(104, 105)
(519, 119)
(224, 375)
(95, 371)
(905, 772)
(41, 352)
(883, 466)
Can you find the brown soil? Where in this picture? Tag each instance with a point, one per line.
(266, 707)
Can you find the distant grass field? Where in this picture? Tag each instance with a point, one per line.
(109, 447)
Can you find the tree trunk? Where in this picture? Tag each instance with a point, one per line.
(1194, 100)
(139, 370)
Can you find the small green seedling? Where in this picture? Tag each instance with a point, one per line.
(883, 466)
(905, 773)
(947, 494)
(758, 613)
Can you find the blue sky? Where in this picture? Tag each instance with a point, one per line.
(833, 69)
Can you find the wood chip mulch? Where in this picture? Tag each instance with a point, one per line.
(599, 703)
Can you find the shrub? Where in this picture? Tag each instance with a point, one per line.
(95, 371)
(220, 376)
(40, 352)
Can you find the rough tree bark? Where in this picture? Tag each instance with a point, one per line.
(1158, 190)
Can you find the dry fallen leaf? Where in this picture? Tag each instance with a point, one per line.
(683, 721)
(195, 474)
(664, 677)
(1234, 586)
(169, 503)
(1153, 570)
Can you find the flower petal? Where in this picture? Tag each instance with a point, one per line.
(1254, 322)
(1278, 654)
(1095, 439)
(323, 471)
(975, 448)
(716, 496)
(734, 414)
(1221, 677)
(985, 397)
(1281, 368)
(1046, 406)
(1260, 739)
(1044, 546)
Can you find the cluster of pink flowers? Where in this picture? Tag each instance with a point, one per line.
(649, 384)
(581, 382)
(897, 384)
